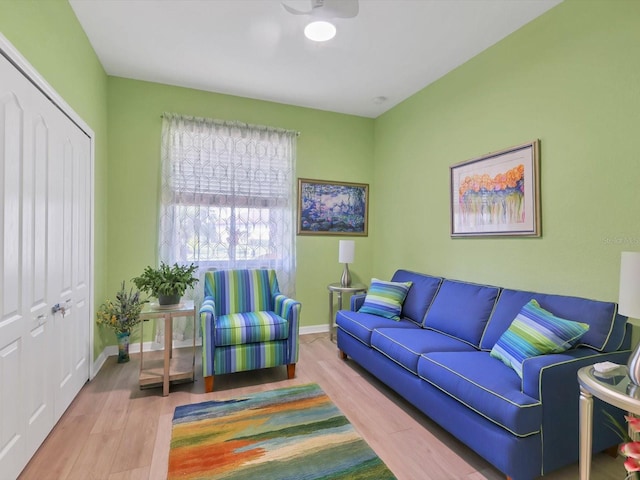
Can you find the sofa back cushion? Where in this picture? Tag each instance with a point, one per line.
(423, 290)
(462, 310)
(606, 327)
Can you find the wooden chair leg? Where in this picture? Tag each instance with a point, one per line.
(208, 384)
(342, 355)
(291, 370)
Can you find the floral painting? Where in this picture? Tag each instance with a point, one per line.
(332, 208)
(497, 194)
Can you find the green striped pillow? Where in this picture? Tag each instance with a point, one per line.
(385, 299)
(535, 331)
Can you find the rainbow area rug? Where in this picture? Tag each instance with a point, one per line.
(291, 433)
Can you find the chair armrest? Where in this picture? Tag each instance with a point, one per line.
(207, 326)
(289, 309)
(208, 306)
(356, 301)
(286, 307)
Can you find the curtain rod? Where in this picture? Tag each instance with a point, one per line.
(297, 132)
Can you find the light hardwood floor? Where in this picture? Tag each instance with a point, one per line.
(115, 431)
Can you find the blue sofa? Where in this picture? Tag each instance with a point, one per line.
(437, 356)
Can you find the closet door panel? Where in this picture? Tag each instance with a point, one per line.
(60, 201)
(12, 324)
(69, 217)
(80, 259)
(39, 394)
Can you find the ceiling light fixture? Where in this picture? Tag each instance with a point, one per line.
(320, 31)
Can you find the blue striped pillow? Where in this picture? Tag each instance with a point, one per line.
(385, 299)
(533, 332)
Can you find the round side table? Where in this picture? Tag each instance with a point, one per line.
(339, 289)
(613, 388)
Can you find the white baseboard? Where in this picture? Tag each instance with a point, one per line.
(134, 347)
(112, 350)
(314, 329)
(99, 362)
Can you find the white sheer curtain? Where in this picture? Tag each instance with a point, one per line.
(227, 198)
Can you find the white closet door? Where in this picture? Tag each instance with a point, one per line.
(38, 335)
(45, 260)
(68, 261)
(12, 320)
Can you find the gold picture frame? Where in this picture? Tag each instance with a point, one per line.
(497, 194)
(332, 208)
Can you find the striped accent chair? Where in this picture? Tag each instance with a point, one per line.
(247, 324)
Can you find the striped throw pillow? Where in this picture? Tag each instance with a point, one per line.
(536, 331)
(385, 299)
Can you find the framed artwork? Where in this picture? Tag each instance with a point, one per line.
(497, 194)
(332, 208)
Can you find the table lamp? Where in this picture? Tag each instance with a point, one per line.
(346, 255)
(629, 303)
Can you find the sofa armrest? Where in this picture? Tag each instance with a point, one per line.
(567, 364)
(356, 301)
(289, 309)
(553, 379)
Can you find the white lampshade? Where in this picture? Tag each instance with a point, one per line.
(347, 251)
(629, 298)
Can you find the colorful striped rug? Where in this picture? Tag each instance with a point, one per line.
(290, 433)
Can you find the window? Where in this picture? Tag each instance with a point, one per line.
(228, 196)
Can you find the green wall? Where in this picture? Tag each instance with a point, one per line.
(50, 37)
(570, 78)
(331, 146)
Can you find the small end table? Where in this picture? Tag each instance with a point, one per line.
(169, 369)
(613, 388)
(339, 289)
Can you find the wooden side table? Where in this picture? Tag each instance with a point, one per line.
(339, 289)
(615, 389)
(168, 369)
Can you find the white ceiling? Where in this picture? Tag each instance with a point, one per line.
(255, 49)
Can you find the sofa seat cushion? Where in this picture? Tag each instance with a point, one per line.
(462, 310)
(249, 327)
(404, 346)
(485, 385)
(362, 325)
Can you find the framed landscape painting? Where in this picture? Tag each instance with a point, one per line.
(497, 194)
(332, 208)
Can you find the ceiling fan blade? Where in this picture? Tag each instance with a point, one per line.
(339, 9)
(328, 9)
(295, 11)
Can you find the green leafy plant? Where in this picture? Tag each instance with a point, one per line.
(122, 314)
(167, 280)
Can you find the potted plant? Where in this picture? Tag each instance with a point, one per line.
(167, 283)
(121, 316)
